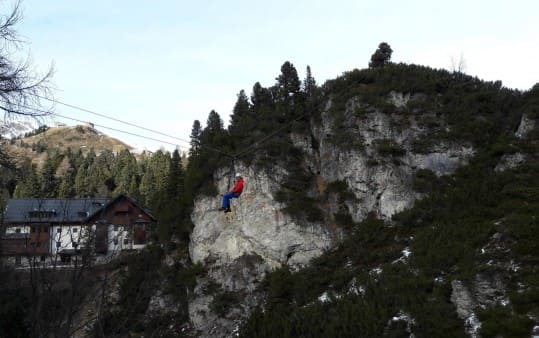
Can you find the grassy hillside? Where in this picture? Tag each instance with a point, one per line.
(60, 139)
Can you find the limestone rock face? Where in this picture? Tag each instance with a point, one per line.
(526, 125)
(239, 248)
(485, 290)
(382, 182)
(256, 225)
(510, 161)
(380, 179)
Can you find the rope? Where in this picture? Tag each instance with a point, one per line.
(257, 144)
(231, 172)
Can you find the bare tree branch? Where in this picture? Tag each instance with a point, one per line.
(20, 85)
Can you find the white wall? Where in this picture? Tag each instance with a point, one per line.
(119, 238)
(63, 237)
(23, 229)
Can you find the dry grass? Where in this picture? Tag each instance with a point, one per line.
(64, 137)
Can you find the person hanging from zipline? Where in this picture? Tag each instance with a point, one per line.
(235, 192)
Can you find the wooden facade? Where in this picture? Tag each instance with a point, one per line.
(41, 226)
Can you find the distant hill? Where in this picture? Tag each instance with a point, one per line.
(12, 129)
(61, 138)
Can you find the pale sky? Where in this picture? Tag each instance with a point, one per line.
(163, 64)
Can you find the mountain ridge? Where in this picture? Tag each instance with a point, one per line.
(34, 143)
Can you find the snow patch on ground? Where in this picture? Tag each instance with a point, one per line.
(472, 325)
(404, 258)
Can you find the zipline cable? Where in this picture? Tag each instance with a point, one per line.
(130, 124)
(257, 144)
(120, 131)
(105, 127)
(111, 118)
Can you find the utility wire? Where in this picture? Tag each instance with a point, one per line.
(256, 145)
(130, 124)
(105, 127)
(120, 131)
(111, 118)
(253, 147)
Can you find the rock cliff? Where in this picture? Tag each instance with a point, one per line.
(240, 248)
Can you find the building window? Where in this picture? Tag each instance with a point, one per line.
(126, 241)
(75, 229)
(42, 214)
(139, 234)
(42, 258)
(59, 230)
(18, 260)
(116, 227)
(18, 230)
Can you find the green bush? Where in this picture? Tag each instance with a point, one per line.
(500, 321)
(223, 301)
(387, 147)
(424, 180)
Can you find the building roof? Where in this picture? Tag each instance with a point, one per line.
(117, 198)
(54, 210)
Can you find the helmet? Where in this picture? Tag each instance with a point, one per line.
(238, 175)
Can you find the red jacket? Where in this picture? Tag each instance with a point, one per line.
(238, 187)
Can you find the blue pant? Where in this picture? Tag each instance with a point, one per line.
(227, 197)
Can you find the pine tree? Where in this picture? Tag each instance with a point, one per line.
(175, 181)
(241, 119)
(169, 203)
(288, 84)
(214, 135)
(290, 99)
(82, 180)
(382, 56)
(29, 186)
(100, 178)
(196, 132)
(133, 190)
(154, 180)
(82, 187)
(214, 122)
(48, 180)
(67, 184)
(123, 171)
(263, 107)
(309, 85)
(261, 98)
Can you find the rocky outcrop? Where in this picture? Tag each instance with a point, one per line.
(513, 160)
(485, 291)
(259, 227)
(465, 305)
(382, 181)
(256, 225)
(227, 295)
(239, 248)
(525, 127)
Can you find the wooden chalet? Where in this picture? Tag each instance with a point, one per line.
(47, 227)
